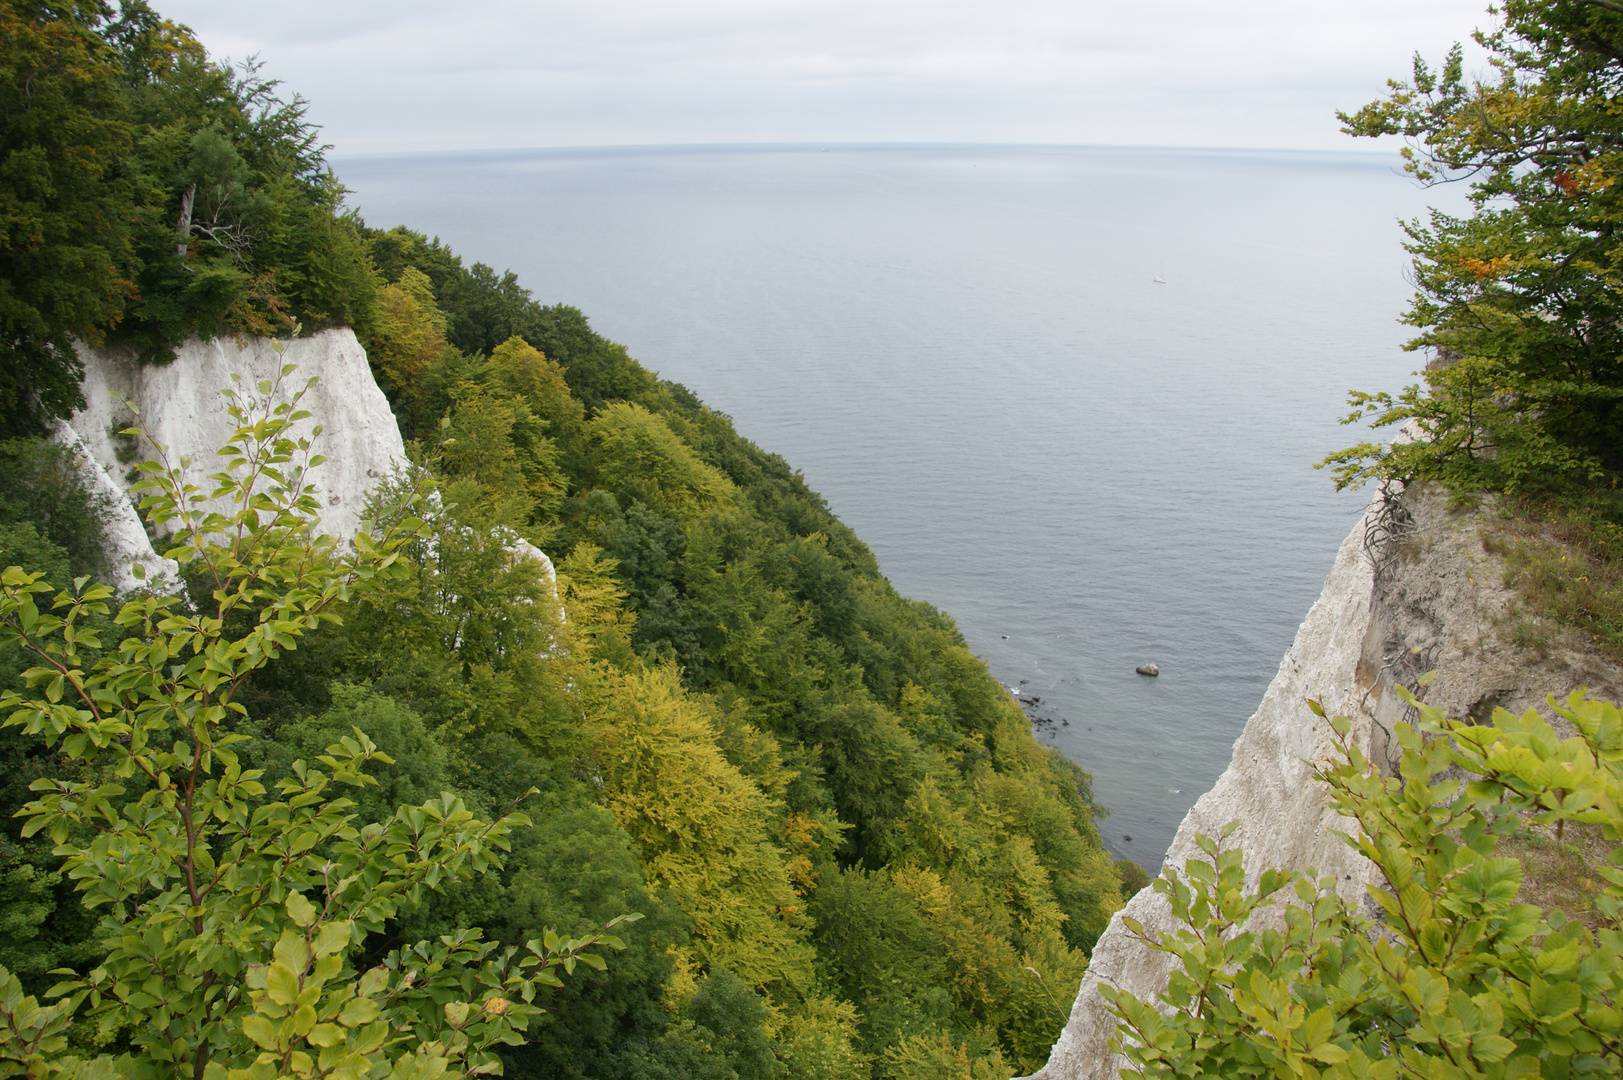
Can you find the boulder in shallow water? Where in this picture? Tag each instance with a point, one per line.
(1147, 669)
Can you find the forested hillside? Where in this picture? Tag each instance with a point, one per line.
(851, 856)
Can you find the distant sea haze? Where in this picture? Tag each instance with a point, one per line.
(968, 353)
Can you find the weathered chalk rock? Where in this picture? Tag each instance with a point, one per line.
(1416, 587)
(1284, 817)
(128, 545)
(181, 406)
(523, 549)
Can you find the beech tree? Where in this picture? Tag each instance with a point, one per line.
(232, 916)
(1520, 303)
(65, 204)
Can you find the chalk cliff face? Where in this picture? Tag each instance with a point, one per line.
(1413, 589)
(1284, 819)
(180, 404)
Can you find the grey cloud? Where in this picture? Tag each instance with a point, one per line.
(413, 75)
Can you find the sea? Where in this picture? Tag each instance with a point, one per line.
(1071, 395)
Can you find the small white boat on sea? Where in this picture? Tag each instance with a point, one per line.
(1159, 280)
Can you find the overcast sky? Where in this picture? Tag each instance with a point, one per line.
(404, 75)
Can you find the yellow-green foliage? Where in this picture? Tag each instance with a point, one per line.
(496, 443)
(815, 722)
(704, 829)
(937, 1057)
(598, 623)
(523, 371)
(233, 910)
(817, 1040)
(466, 599)
(635, 448)
(408, 337)
(1006, 988)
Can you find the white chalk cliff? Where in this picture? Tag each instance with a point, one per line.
(181, 406)
(1415, 587)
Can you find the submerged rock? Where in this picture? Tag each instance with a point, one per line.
(1439, 604)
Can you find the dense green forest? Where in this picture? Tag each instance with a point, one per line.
(149, 195)
(850, 855)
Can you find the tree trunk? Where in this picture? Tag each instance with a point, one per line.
(183, 227)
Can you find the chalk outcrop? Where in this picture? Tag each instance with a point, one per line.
(1284, 821)
(1414, 588)
(181, 405)
(126, 541)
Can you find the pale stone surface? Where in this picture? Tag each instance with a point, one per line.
(523, 549)
(127, 543)
(181, 405)
(1284, 818)
(1443, 605)
(1439, 603)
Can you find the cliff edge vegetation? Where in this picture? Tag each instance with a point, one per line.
(149, 195)
(1517, 304)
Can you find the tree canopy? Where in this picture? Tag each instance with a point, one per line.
(149, 195)
(1518, 304)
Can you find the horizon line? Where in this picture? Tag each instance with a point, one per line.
(855, 145)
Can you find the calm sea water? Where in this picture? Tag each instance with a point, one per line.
(967, 352)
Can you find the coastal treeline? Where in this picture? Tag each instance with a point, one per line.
(850, 856)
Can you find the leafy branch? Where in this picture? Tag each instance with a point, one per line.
(231, 911)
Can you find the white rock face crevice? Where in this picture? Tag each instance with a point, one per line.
(183, 409)
(126, 540)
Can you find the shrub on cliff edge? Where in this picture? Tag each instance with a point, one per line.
(1454, 978)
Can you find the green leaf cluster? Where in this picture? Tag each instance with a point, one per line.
(1450, 976)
